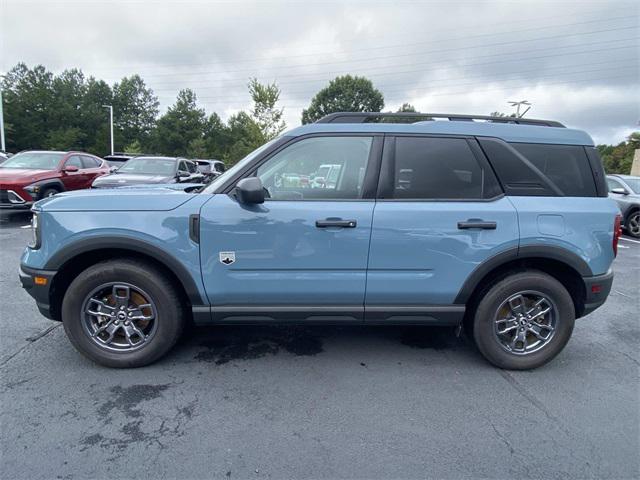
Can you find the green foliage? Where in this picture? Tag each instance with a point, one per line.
(183, 123)
(407, 107)
(135, 109)
(134, 147)
(65, 139)
(500, 114)
(265, 113)
(619, 158)
(244, 135)
(344, 94)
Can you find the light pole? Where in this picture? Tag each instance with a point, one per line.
(110, 107)
(518, 104)
(2, 145)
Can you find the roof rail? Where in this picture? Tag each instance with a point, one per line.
(362, 117)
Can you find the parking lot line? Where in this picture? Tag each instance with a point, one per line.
(629, 240)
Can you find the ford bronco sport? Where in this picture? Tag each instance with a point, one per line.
(502, 225)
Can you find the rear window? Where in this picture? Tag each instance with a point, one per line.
(567, 166)
(440, 168)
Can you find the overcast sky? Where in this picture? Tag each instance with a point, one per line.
(575, 61)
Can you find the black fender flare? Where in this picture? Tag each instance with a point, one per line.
(48, 183)
(86, 245)
(550, 252)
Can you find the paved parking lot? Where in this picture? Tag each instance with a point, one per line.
(319, 402)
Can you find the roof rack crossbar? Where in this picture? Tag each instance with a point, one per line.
(361, 117)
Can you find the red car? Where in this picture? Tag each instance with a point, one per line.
(32, 175)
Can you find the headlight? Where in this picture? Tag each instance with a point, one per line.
(36, 237)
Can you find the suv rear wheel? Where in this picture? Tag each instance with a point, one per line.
(122, 313)
(524, 320)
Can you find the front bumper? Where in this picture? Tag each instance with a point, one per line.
(39, 291)
(597, 291)
(14, 199)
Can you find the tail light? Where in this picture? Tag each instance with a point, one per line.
(617, 231)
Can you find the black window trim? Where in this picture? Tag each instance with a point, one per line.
(369, 183)
(387, 169)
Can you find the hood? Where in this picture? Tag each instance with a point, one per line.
(123, 179)
(117, 199)
(28, 175)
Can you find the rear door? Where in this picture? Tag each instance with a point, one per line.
(75, 180)
(92, 169)
(440, 213)
(303, 253)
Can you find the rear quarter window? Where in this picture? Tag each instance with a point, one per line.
(567, 166)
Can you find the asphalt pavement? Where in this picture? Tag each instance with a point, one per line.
(318, 402)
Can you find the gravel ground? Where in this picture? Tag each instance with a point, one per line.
(319, 402)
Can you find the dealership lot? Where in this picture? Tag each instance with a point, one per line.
(319, 402)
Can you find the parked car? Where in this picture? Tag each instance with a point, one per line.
(625, 190)
(4, 156)
(210, 168)
(474, 235)
(35, 174)
(118, 159)
(151, 170)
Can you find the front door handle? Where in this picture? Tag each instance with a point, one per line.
(477, 223)
(336, 222)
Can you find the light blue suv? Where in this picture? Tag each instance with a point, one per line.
(502, 225)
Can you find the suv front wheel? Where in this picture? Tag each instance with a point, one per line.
(122, 313)
(524, 320)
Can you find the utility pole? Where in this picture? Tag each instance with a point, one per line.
(518, 104)
(110, 107)
(3, 147)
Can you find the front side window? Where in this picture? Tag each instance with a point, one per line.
(611, 183)
(317, 168)
(74, 161)
(90, 162)
(432, 168)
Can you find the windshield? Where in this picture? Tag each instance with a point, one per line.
(34, 160)
(634, 184)
(220, 179)
(149, 166)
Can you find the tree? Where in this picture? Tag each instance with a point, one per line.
(500, 114)
(28, 96)
(244, 137)
(183, 123)
(619, 158)
(265, 113)
(71, 138)
(344, 94)
(407, 107)
(135, 109)
(94, 117)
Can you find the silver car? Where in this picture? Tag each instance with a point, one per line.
(625, 190)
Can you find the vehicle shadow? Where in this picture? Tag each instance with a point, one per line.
(14, 219)
(223, 344)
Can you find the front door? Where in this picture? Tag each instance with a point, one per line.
(303, 253)
(440, 214)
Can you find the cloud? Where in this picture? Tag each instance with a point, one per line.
(575, 62)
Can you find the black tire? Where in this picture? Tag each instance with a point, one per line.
(49, 192)
(484, 319)
(163, 294)
(633, 218)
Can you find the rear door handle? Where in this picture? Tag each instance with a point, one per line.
(336, 222)
(476, 223)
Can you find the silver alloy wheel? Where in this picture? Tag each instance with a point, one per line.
(633, 224)
(525, 322)
(119, 317)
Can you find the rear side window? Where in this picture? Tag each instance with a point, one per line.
(90, 162)
(567, 166)
(440, 168)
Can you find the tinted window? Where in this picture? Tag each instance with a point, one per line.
(440, 168)
(75, 161)
(182, 166)
(317, 168)
(90, 162)
(567, 166)
(192, 167)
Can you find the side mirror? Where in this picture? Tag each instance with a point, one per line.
(250, 190)
(183, 175)
(70, 168)
(620, 191)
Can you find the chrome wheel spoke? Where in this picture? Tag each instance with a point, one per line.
(529, 324)
(119, 317)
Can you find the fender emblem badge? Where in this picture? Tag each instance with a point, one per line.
(227, 258)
